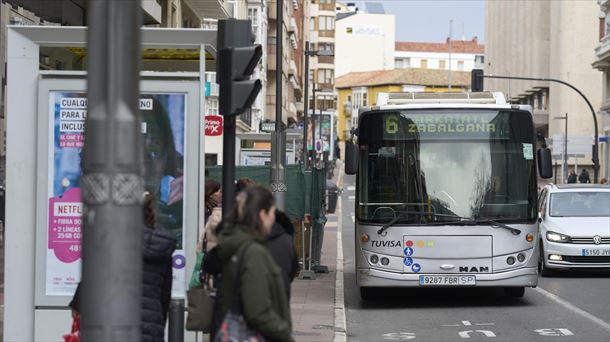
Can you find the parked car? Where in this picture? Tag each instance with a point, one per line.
(574, 227)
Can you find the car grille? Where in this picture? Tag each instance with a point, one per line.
(588, 240)
(587, 259)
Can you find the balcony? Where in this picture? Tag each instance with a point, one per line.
(292, 27)
(326, 59)
(271, 53)
(214, 9)
(292, 69)
(326, 33)
(603, 52)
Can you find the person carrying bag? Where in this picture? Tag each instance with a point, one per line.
(258, 304)
(200, 301)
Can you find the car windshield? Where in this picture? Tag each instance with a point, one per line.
(469, 163)
(579, 204)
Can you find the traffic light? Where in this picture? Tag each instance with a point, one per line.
(237, 58)
(476, 80)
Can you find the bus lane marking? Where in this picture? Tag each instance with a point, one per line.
(554, 332)
(399, 336)
(466, 333)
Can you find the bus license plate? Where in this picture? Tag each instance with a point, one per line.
(447, 280)
(595, 252)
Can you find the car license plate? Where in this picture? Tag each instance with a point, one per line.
(595, 252)
(447, 280)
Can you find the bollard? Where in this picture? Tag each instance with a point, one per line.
(176, 321)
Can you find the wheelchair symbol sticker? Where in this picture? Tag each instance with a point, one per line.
(408, 261)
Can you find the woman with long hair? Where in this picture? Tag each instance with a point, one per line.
(242, 252)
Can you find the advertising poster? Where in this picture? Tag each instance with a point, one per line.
(163, 118)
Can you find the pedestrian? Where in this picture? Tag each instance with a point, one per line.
(264, 303)
(584, 176)
(157, 249)
(212, 197)
(572, 177)
(603, 181)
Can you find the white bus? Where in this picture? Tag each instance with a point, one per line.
(446, 192)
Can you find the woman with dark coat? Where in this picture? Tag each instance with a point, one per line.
(241, 243)
(281, 245)
(157, 249)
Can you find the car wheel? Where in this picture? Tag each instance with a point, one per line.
(514, 292)
(543, 270)
(368, 293)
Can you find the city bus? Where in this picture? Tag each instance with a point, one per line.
(446, 192)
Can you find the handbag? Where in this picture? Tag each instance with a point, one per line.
(74, 335)
(234, 326)
(200, 309)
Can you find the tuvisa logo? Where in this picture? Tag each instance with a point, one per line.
(375, 243)
(481, 269)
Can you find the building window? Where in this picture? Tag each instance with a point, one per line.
(326, 23)
(442, 64)
(360, 97)
(329, 47)
(460, 65)
(212, 106)
(326, 76)
(312, 24)
(424, 64)
(253, 16)
(479, 59)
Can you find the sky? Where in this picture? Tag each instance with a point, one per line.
(428, 20)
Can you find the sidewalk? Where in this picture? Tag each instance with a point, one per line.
(313, 304)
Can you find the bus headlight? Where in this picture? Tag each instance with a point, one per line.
(364, 238)
(556, 237)
(385, 261)
(374, 259)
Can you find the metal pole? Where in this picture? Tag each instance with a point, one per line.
(450, 33)
(306, 107)
(595, 153)
(565, 151)
(175, 324)
(278, 173)
(228, 164)
(112, 183)
(313, 128)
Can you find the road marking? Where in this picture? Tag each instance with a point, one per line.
(351, 198)
(554, 332)
(339, 321)
(351, 188)
(400, 336)
(353, 219)
(466, 323)
(573, 308)
(466, 333)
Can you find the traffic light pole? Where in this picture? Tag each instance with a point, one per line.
(595, 152)
(111, 184)
(306, 107)
(278, 171)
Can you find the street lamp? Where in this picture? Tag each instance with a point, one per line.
(564, 172)
(307, 53)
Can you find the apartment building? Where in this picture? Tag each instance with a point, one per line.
(458, 55)
(602, 63)
(548, 39)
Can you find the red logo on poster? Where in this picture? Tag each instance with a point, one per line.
(213, 125)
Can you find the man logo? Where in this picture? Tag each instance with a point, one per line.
(597, 239)
(474, 269)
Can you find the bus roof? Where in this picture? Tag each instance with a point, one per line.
(418, 100)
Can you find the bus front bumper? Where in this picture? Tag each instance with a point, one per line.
(525, 276)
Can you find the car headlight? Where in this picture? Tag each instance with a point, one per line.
(556, 237)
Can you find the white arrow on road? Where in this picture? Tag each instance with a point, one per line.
(466, 333)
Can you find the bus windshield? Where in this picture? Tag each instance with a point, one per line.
(477, 164)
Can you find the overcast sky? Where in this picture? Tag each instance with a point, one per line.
(428, 20)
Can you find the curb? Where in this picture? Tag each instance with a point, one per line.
(340, 323)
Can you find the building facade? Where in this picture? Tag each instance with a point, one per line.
(360, 89)
(602, 63)
(364, 41)
(553, 39)
(458, 55)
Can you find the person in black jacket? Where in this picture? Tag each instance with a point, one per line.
(281, 245)
(157, 250)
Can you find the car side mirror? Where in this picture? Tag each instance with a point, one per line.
(540, 217)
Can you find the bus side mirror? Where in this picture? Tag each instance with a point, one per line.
(545, 163)
(351, 158)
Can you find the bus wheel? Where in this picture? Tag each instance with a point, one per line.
(368, 293)
(514, 292)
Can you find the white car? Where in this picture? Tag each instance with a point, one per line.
(574, 227)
